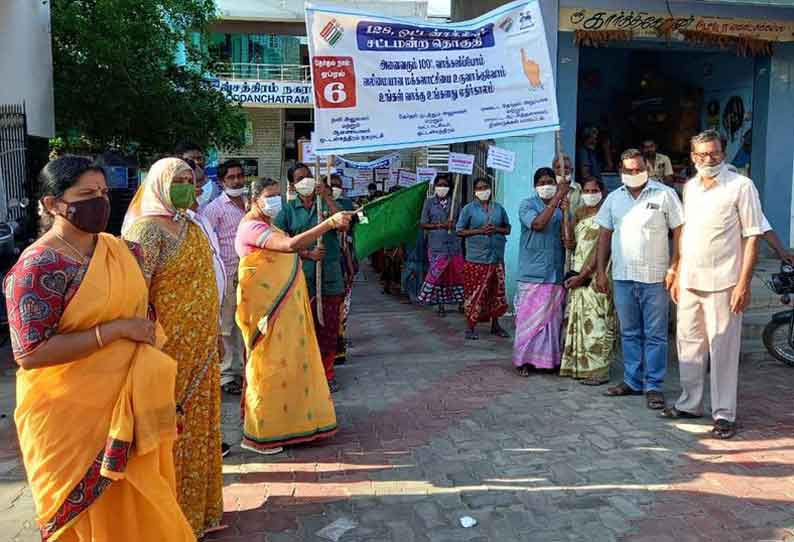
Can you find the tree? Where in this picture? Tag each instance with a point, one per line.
(118, 83)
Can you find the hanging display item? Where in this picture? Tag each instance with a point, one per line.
(733, 116)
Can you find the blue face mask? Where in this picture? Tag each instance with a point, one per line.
(206, 194)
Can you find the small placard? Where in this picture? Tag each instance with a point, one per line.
(426, 174)
(501, 159)
(406, 178)
(460, 163)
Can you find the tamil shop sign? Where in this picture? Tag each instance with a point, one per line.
(252, 93)
(647, 24)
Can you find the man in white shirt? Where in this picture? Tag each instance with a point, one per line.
(711, 283)
(635, 222)
(659, 166)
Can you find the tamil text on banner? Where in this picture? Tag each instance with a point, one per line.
(384, 83)
(426, 174)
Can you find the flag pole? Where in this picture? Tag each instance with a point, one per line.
(565, 214)
(455, 193)
(318, 266)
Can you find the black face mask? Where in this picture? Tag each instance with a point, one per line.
(90, 216)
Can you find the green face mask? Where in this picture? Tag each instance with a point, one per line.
(183, 196)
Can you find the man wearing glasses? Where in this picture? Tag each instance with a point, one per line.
(711, 282)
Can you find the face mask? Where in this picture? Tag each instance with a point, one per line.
(442, 191)
(591, 200)
(336, 192)
(483, 195)
(270, 206)
(183, 196)
(561, 179)
(546, 191)
(710, 171)
(305, 187)
(634, 181)
(90, 215)
(206, 195)
(235, 192)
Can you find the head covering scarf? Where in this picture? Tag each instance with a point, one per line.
(153, 198)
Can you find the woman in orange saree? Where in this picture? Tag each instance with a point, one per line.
(286, 399)
(95, 405)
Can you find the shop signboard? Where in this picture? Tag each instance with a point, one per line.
(646, 24)
(253, 93)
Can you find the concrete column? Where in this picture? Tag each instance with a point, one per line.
(773, 138)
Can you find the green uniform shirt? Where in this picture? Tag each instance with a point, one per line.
(294, 219)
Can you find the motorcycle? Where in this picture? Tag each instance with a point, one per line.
(10, 249)
(778, 335)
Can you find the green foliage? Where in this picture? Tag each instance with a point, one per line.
(118, 83)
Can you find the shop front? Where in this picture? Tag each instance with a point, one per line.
(639, 71)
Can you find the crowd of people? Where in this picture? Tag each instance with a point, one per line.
(246, 291)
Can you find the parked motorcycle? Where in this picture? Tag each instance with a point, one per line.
(10, 248)
(778, 334)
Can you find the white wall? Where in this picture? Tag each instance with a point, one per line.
(26, 62)
(293, 10)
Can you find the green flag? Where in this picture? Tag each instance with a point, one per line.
(390, 221)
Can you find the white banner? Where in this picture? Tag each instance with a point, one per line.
(381, 82)
(406, 178)
(266, 93)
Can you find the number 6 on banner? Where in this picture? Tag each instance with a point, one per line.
(334, 80)
(335, 93)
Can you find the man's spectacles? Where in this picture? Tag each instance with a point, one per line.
(716, 155)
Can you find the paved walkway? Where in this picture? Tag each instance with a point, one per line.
(434, 429)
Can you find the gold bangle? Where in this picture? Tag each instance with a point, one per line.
(98, 337)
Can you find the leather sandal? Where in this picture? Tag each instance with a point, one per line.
(655, 400)
(621, 390)
(673, 413)
(723, 429)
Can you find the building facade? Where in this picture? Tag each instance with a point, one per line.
(660, 84)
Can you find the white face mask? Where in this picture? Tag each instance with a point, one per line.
(591, 200)
(546, 191)
(710, 171)
(442, 191)
(561, 179)
(483, 195)
(336, 192)
(271, 206)
(235, 192)
(634, 181)
(305, 186)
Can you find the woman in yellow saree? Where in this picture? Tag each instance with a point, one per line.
(95, 404)
(286, 399)
(186, 279)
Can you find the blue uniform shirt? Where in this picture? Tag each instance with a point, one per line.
(488, 249)
(540, 255)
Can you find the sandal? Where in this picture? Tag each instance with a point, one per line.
(232, 388)
(655, 400)
(523, 371)
(621, 390)
(471, 335)
(499, 332)
(673, 413)
(723, 429)
(442, 312)
(594, 381)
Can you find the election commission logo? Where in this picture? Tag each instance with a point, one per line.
(332, 32)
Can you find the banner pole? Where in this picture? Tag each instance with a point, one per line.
(318, 266)
(565, 214)
(455, 193)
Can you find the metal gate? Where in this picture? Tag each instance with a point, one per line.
(13, 132)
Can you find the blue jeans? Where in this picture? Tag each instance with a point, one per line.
(643, 311)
